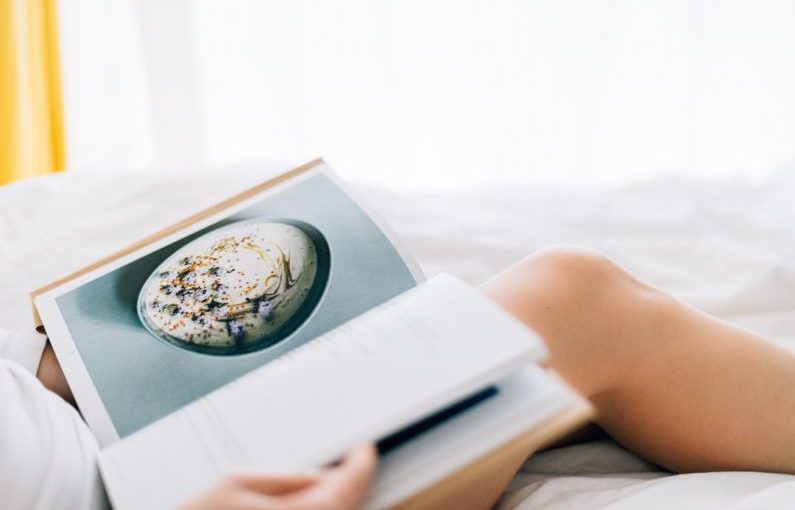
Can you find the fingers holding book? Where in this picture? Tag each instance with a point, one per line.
(341, 487)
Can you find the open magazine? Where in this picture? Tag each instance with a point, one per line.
(278, 329)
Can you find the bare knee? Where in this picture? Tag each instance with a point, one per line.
(578, 270)
(582, 304)
(562, 278)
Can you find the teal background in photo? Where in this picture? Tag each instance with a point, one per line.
(139, 378)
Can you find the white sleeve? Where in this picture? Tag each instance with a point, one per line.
(47, 454)
(22, 346)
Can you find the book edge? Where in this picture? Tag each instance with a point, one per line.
(442, 493)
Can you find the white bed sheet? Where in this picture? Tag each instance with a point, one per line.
(726, 247)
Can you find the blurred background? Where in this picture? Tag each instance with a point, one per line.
(432, 94)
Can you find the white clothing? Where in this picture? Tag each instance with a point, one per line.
(47, 453)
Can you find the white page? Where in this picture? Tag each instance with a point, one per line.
(365, 379)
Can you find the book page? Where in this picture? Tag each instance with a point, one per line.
(179, 315)
(372, 376)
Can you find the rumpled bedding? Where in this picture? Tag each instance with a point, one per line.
(727, 247)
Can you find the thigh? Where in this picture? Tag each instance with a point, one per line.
(682, 388)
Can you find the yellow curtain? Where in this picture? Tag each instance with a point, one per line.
(31, 117)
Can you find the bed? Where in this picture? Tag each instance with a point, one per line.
(727, 247)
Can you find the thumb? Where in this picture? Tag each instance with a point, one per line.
(351, 479)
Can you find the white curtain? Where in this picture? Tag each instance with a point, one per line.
(441, 93)
(106, 97)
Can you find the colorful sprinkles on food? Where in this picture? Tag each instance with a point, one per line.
(231, 286)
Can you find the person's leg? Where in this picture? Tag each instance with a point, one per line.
(673, 384)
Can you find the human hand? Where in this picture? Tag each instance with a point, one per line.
(342, 487)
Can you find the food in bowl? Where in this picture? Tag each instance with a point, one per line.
(235, 289)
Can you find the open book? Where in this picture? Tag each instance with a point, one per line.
(277, 330)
